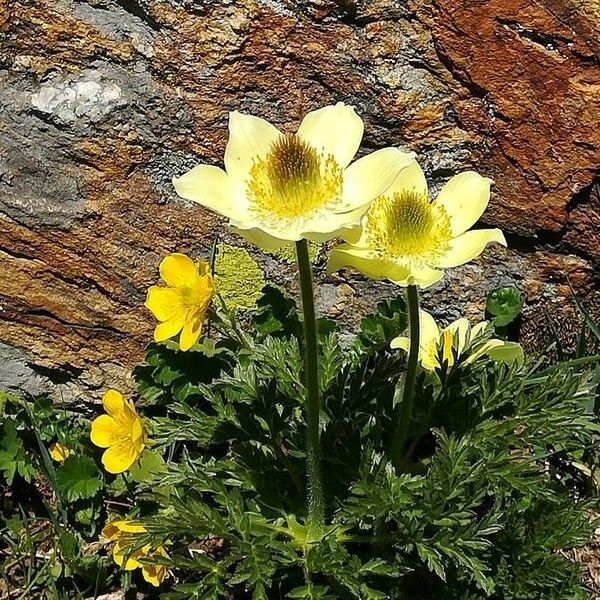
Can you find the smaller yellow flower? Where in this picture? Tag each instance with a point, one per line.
(58, 452)
(121, 431)
(181, 306)
(451, 343)
(409, 239)
(121, 532)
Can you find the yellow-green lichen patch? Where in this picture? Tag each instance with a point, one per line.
(238, 278)
(288, 252)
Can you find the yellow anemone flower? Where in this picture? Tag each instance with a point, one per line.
(451, 343)
(121, 431)
(407, 238)
(278, 188)
(181, 306)
(58, 452)
(120, 531)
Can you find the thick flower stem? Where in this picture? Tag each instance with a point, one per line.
(316, 508)
(403, 413)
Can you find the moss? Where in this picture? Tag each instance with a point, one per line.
(238, 278)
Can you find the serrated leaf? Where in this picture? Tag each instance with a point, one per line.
(149, 465)
(78, 478)
(277, 313)
(378, 329)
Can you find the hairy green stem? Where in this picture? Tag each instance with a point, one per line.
(316, 507)
(403, 413)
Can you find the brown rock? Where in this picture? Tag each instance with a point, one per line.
(104, 101)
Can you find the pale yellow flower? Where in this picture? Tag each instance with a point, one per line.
(409, 239)
(58, 452)
(181, 306)
(459, 343)
(121, 431)
(121, 532)
(279, 188)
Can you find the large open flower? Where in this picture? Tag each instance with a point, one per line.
(459, 343)
(121, 432)
(122, 532)
(278, 188)
(181, 306)
(409, 239)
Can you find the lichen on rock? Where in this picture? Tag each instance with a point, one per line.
(238, 277)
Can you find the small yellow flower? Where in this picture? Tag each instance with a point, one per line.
(409, 239)
(277, 188)
(181, 306)
(121, 532)
(451, 343)
(59, 452)
(121, 431)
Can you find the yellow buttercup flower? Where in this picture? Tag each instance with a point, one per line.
(181, 306)
(450, 344)
(59, 452)
(121, 532)
(121, 431)
(409, 239)
(279, 188)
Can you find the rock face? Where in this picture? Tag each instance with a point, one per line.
(103, 101)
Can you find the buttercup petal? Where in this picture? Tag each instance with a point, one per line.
(335, 129)
(113, 402)
(410, 179)
(250, 138)
(120, 551)
(105, 431)
(373, 174)
(163, 302)
(464, 198)
(192, 328)
(468, 246)
(119, 457)
(171, 328)
(154, 574)
(178, 270)
(211, 187)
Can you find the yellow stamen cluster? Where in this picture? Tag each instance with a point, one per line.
(293, 180)
(408, 225)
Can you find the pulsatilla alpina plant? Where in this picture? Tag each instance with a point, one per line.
(282, 459)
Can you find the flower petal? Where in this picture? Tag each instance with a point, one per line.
(113, 402)
(410, 178)
(464, 198)
(120, 457)
(210, 187)
(154, 574)
(192, 329)
(365, 261)
(421, 275)
(372, 176)
(469, 245)
(171, 328)
(105, 431)
(178, 270)
(400, 342)
(249, 139)
(430, 332)
(260, 238)
(163, 302)
(460, 329)
(335, 129)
